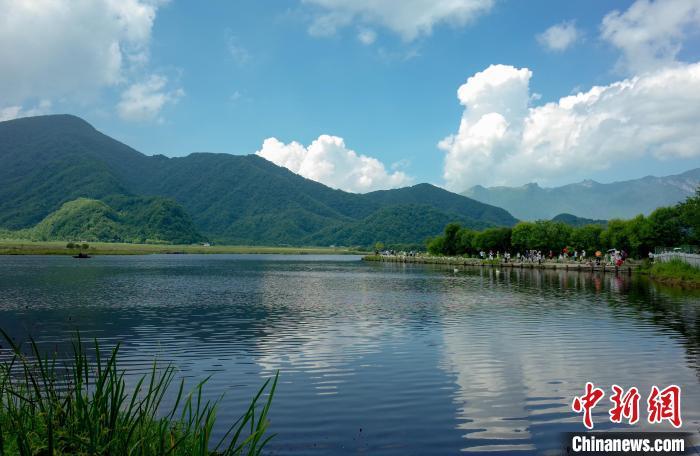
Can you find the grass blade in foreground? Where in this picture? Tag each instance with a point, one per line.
(83, 408)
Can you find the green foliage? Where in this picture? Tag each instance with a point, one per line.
(406, 224)
(577, 222)
(541, 235)
(137, 220)
(496, 239)
(676, 272)
(48, 161)
(465, 241)
(451, 238)
(85, 407)
(436, 245)
(586, 238)
(666, 226)
(689, 214)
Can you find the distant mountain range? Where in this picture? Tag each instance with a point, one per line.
(590, 199)
(62, 179)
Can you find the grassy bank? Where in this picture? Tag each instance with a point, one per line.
(19, 247)
(676, 273)
(83, 407)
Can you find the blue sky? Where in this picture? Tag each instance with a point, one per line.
(223, 76)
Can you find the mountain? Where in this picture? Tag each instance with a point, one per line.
(590, 199)
(412, 224)
(574, 221)
(124, 219)
(47, 161)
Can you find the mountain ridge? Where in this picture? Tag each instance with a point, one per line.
(589, 198)
(47, 161)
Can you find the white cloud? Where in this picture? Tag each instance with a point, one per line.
(237, 51)
(53, 48)
(329, 161)
(410, 19)
(559, 37)
(503, 140)
(650, 34)
(14, 112)
(367, 36)
(144, 100)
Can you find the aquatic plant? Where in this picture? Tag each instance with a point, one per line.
(85, 406)
(676, 272)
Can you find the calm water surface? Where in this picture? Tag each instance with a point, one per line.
(377, 359)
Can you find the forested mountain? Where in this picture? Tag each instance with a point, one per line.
(575, 221)
(117, 219)
(47, 161)
(591, 199)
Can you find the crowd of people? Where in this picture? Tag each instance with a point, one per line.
(613, 257)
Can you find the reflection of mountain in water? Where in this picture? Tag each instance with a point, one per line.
(418, 357)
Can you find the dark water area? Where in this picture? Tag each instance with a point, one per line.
(381, 359)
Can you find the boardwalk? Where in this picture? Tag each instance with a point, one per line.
(627, 267)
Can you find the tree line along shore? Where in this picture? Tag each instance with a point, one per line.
(618, 245)
(665, 227)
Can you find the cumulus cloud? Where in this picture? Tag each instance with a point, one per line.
(329, 161)
(411, 20)
(650, 34)
(502, 140)
(53, 48)
(14, 112)
(559, 37)
(145, 100)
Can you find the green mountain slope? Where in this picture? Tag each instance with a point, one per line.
(412, 224)
(575, 221)
(50, 160)
(591, 199)
(127, 220)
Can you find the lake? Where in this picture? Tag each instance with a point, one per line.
(374, 358)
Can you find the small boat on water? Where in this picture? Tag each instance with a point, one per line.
(81, 255)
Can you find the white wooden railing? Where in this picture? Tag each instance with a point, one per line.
(690, 258)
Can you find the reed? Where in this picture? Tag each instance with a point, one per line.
(676, 272)
(84, 406)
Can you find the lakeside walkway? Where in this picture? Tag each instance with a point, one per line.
(628, 267)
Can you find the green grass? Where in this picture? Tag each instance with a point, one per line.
(677, 273)
(84, 407)
(20, 247)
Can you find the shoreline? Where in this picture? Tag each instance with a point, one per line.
(15, 247)
(626, 268)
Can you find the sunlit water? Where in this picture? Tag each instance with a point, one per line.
(373, 358)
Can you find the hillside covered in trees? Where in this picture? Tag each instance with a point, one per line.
(48, 161)
(665, 227)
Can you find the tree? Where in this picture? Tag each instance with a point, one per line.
(465, 237)
(666, 227)
(586, 238)
(378, 246)
(436, 245)
(496, 239)
(522, 236)
(689, 213)
(451, 238)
